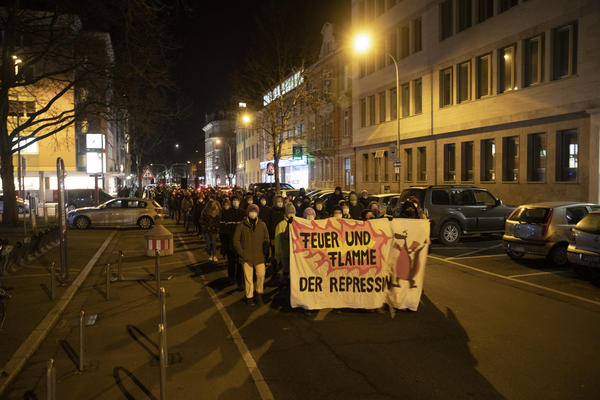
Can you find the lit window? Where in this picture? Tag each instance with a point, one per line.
(507, 71)
(488, 158)
(567, 155)
(536, 157)
(446, 87)
(510, 159)
(449, 162)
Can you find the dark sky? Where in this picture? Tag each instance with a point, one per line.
(217, 36)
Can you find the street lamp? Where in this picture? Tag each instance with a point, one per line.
(362, 44)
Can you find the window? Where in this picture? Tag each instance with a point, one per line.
(377, 166)
(446, 19)
(510, 159)
(536, 157)
(440, 197)
(366, 167)
(405, 100)
(346, 123)
(484, 198)
(464, 81)
(115, 204)
(485, 10)
(404, 42)
(393, 104)
(449, 162)
(534, 61)
(575, 214)
(393, 45)
(372, 110)
(386, 166)
(567, 155)
(418, 96)
(446, 87)
(506, 4)
(506, 65)
(484, 75)
(363, 113)
(302, 129)
(382, 107)
(28, 145)
(488, 156)
(465, 14)
(17, 108)
(466, 155)
(348, 172)
(564, 51)
(462, 197)
(409, 165)
(422, 163)
(417, 35)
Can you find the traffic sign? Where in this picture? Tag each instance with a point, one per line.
(397, 164)
(147, 174)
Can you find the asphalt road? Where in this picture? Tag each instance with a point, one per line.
(487, 327)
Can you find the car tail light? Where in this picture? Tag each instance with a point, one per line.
(547, 222)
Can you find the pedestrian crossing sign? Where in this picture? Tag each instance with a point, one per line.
(147, 174)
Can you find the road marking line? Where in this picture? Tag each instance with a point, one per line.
(508, 278)
(17, 361)
(322, 314)
(259, 380)
(474, 252)
(534, 274)
(484, 256)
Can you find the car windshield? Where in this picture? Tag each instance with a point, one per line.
(530, 215)
(590, 224)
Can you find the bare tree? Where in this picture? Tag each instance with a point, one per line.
(45, 56)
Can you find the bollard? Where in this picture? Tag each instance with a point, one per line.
(157, 272)
(107, 281)
(81, 341)
(50, 380)
(163, 361)
(163, 319)
(52, 281)
(119, 265)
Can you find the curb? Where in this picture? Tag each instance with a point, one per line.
(16, 363)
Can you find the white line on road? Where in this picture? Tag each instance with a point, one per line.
(536, 273)
(259, 380)
(508, 278)
(483, 256)
(475, 252)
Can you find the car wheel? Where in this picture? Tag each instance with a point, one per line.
(558, 255)
(450, 233)
(515, 255)
(82, 222)
(145, 222)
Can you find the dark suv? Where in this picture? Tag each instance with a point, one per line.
(77, 198)
(455, 211)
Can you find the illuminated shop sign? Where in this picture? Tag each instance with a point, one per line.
(285, 87)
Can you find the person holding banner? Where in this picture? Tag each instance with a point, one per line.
(282, 242)
(251, 241)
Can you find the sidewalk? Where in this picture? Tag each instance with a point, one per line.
(122, 344)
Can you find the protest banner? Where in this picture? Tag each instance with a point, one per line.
(342, 263)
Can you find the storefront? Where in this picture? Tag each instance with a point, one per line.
(294, 172)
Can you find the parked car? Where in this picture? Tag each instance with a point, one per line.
(455, 211)
(77, 198)
(383, 201)
(118, 212)
(543, 229)
(285, 187)
(584, 243)
(22, 206)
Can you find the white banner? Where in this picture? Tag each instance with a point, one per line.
(341, 263)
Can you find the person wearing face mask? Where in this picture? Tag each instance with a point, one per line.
(335, 199)
(210, 221)
(233, 217)
(355, 206)
(320, 210)
(345, 210)
(364, 199)
(337, 212)
(310, 214)
(277, 215)
(282, 242)
(251, 240)
(374, 207)
(298, 207)
(197, 212)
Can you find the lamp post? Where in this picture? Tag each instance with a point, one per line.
(362, 44)
(229, 174)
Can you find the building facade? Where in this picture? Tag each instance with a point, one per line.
(502, 94)
(220, 149)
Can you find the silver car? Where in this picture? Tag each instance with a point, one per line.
(543, 229)
(118, 212)
(584, 246)
(22, 206)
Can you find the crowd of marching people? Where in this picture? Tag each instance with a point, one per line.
(253, 227)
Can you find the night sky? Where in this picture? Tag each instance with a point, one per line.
(217, 36)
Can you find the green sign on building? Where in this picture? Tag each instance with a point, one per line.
(297, 152)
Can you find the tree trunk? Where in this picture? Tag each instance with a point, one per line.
(138, 168)
(9, 214)
(276, 153)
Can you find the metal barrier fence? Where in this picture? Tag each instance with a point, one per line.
(162, 340)
(157, 272)
(81, 341)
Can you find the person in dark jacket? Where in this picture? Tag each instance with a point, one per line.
(265, 211)
(277, 215)
(197, 212)
(364, 199)
(250, 240)
(355, 206)
(334, 200)
(211, 221)
(320, 210)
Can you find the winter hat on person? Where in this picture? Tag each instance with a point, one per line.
(309, 211)
(290, 209)
(252, 207)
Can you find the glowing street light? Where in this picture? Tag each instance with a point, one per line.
(176, 145)
(362, 43)
(246, 119)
